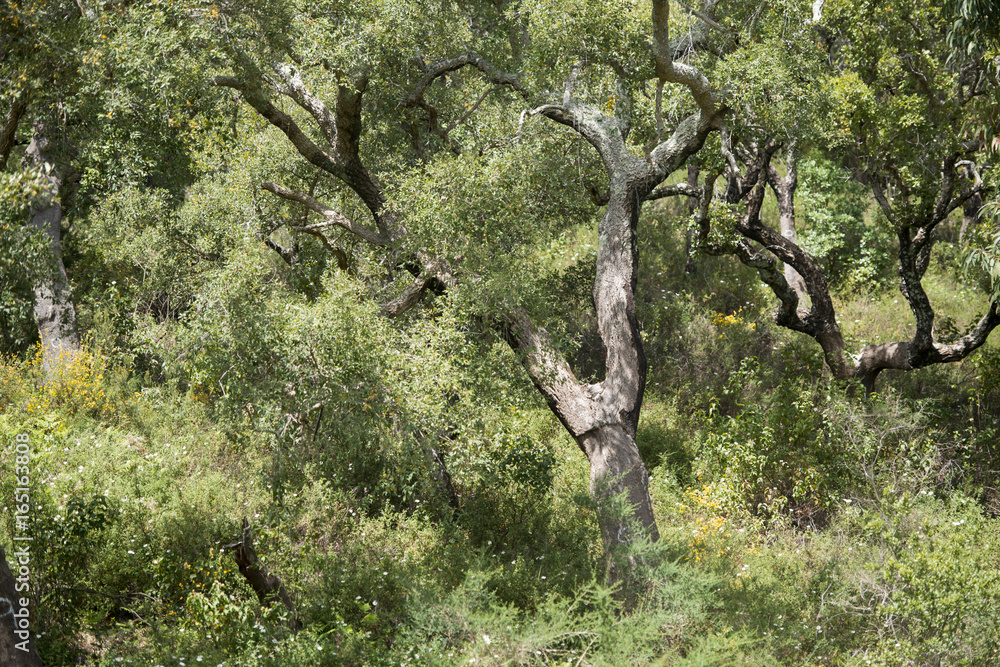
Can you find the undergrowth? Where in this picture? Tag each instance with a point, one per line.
(801, 523)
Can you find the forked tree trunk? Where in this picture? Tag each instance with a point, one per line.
(54, 311)
(603, 417)
(916, 238)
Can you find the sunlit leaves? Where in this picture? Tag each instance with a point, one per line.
(602, 31)
(983, 258)
(22, 260)
(493, 211)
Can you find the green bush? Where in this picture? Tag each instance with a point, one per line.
(773, 460)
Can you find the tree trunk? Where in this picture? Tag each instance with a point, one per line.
(801, 275)
(603, 417)
(54, 311)
(16, 647)
(268, 587)
(784, 192)
(970, 215)
(617, 469)
(601, 425)
(615, 465)
(690, 236)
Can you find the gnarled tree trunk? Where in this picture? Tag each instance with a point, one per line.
(916, 237)
(54, 311)
(615, 465)
(603, 417)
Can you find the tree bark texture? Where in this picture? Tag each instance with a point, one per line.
(54, 311)
(14, 651)
(784, 191)
(758, 247)
(266, 585)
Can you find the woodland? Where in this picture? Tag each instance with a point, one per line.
(500, 332)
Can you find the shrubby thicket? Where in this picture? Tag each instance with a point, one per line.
(402, 476)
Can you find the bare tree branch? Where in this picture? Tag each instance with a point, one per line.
(569, 399)
(441, 67)
(333, 218)
(601, 197)
(673, 72)
(295, 89)
(435, 70)
(303, 144)
(708, 20)
(435, 271)
(680, 189)
(266, 585)
(289, 255)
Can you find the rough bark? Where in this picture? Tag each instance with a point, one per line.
(915, 230)
(903, 355)
(603, 417)
(341, 130)
(11, 645)
(784, 192)
(54, 311)
(916, 238)
(332, 217)
(819, 321)
(436, 272)
(602, 424)
(266, 585)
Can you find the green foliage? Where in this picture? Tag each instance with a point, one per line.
(773, 460)
(493, 211)
(23, 259)
(945, 599)
(400, 476)
(891, 83)
(975, 27)
(983, 257)
(838, 229)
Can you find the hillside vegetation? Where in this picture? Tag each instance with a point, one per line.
(799, 525)
(520, 332)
